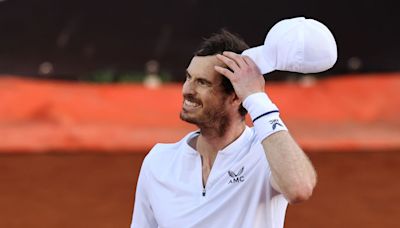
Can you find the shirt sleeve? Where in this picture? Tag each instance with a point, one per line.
(143, 216)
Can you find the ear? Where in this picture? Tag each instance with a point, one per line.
(234, 100)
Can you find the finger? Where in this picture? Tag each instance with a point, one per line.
(248, 60)
(229, 62)
(251, 63)
(237, 58)
(224, 71)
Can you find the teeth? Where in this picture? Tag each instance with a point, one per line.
(192, 104)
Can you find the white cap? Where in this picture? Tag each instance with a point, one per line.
(297, 45)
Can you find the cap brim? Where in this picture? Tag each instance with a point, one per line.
(258, 55)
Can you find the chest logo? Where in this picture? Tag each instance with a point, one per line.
(236, 177)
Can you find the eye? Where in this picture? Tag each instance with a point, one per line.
(203, 82)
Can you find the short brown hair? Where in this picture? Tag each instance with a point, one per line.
(218, 43)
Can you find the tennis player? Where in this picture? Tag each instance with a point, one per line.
(225, 174)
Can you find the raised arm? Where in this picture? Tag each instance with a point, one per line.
(292, 173)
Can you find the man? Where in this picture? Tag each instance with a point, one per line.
(225, 174)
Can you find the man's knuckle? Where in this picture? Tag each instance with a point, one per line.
(235, 79)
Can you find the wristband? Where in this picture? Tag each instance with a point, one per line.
(264, 114)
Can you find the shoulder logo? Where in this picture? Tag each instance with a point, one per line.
(236, 177)
(275, 122)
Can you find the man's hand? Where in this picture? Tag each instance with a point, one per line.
(243, 74)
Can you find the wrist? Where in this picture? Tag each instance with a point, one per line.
(264, 114)
(259, 104)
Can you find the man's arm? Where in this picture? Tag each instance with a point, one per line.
(292, 173)
(142, 213)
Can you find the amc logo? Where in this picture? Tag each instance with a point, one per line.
(236, 177)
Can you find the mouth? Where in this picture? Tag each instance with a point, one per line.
(190, 104)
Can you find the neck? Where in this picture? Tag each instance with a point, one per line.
(211, 140)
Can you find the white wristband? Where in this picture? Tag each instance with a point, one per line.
(264, 114)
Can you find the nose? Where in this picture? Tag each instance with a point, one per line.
(188, 88)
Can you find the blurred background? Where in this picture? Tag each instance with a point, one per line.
(88, 87)
(81, 38)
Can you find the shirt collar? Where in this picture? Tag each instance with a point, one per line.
(235, 146)
(239, 143)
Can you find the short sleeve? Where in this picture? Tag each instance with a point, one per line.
(143, 216)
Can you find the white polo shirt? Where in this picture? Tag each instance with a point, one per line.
(238, 192)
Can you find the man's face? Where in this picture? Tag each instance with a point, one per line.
(204, 102)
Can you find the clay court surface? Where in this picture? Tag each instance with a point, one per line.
(355, 189)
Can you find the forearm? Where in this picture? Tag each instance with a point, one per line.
(292, 172)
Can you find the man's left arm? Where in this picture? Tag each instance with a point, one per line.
(292, 173)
